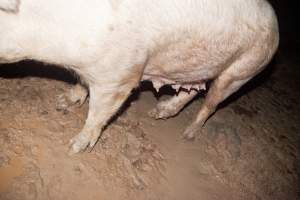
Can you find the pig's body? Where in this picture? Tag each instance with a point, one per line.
(115, 44)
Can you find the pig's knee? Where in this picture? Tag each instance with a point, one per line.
(170, 107)
(163, 110)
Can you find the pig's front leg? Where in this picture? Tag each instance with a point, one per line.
(110, 82)
(103, 103)
(107, 93)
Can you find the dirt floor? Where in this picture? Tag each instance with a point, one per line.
(250, 149)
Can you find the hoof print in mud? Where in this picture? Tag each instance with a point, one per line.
(222, 133)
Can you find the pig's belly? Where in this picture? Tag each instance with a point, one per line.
(187, 80)
(188, 64)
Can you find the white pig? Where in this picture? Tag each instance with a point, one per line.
(9, 5)
(114, 44)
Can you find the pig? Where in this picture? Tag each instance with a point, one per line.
(113, 45)
(9, 5)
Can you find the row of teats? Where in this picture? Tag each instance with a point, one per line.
(188, 87)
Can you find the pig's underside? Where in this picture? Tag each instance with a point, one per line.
(184, 56)
(187, 64)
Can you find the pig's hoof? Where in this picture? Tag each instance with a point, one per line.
(191, 131)
(81, 142)
(77, 95)
(61, 102)
(161, 113)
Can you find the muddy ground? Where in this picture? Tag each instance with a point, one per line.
(250, 149)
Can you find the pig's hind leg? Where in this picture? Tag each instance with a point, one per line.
(170, 107)
(228, 82)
